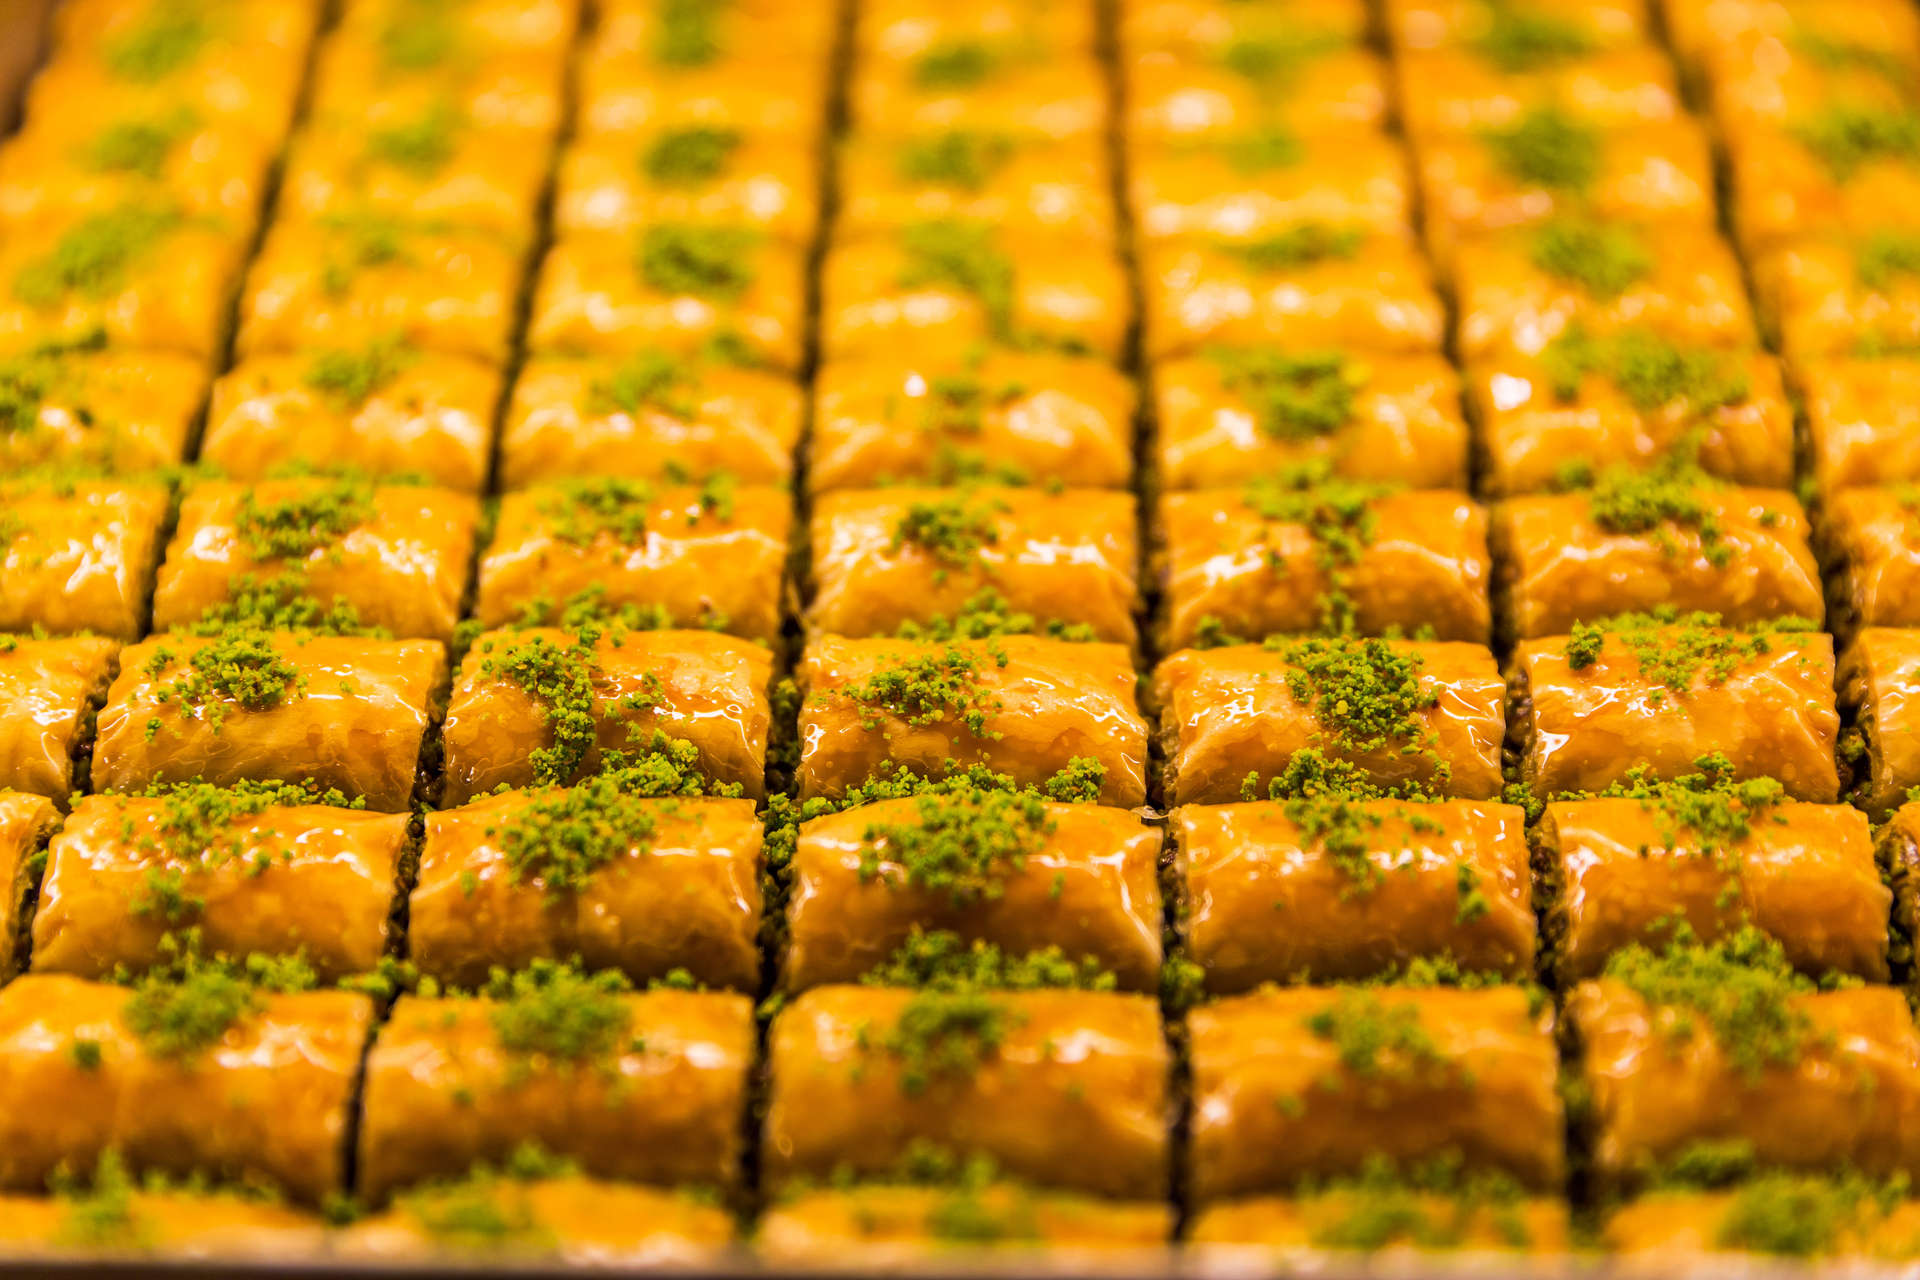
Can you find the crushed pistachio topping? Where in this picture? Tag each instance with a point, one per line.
(1677, 650)
(1651, 371)
(27, 380)
(196, 828)
(925, 688)
(559, 677)
(1301, 245)
(964, 844)
(558, 1011)
(299, 523)
(1274, 61)
(422, 146)
(689, 157)
(138, 146)
(1885, 254)
(1713, 807)
(349, 377)
(1673, 494)
(941, 960)
(168, 36)
(280, 601)
(688, 33)
(1548, 147)
(563, 837)
(1366, 694)
(1293, 397)
(951, 529)
(1527, 39)
(98, 1213)
(946, 1034)
(238, 666)
(964, 256)
(486, 1209)
(963, 158)
(1846, 137)
(713, 262)
(189, 1002)
(93, 256)
(1309, 774)
(1348, 831)
(649, 379)
(955, 64)
(359, 242)
(1263, 150)
(1804, 1215)
(1605, 259)
(987, 613)
(1376, 1036)
(418, 34)
(1435, 1205)
(1739, 989)
(1337, 513)
(585, 510)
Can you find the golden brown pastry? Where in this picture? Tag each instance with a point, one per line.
(1879, 674)
(1390, 1219)
(79, 555)
(90, 407)
(879, 1224)
(1251, 184)
(49, 690)
(712, 173)
(1861, 418)
(1873, 535)
(1034, 186)
(25, 823)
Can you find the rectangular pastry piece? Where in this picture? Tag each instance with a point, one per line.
(1013, 871)
(49, 690)
(541, 705)
(636, 1088)
(266, 706)
(1547, 162)
(675, 286)
(1522, 286)
(79, 555)
(1022, 706)
(1631, 399)
(26, 821)
(652, 415)
(174, 1225)
(677, 556)
(1252, 183)
(1330, 890)
(1828, 296)
(432, 161)
(143, 273)
(888, 560)
(950, 285)
(1489, 1215)
(352, 278)
(595, 873)
(1307, 553)
(1863, 419)
(1646, 695)
(1040, 187)
(87, 407)
(264, 1101)
(906, 29)
(1837, 167)
(67, 165)
(1465, 89)
(691, 173)
(1814, 1080)
(1424, 716)
(1007, 85)
(1198, 30)
(385, 408)
(1066, 1089)
(1237, 411)
(760, 68)
(1670, 538)
(238, 64)
(942, 418)
(1871, 538)
(565, 1219)
(251, 871)
(1836, 1216)
(1629, 870)
(894, 1224)
(1518, 34)
(1879, 674)
(1296, 1084)
(320, 551)
(1295, 79)
(1311, 286)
